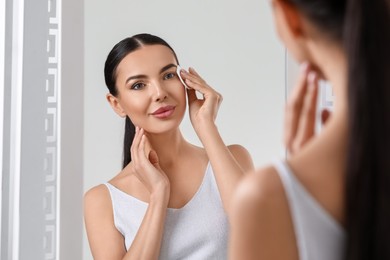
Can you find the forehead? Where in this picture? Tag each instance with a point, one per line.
(146, 59)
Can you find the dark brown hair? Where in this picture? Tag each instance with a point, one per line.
(116, 55)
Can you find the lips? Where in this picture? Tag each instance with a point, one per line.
(163, 112)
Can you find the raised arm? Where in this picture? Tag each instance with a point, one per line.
(229, 162)
(106, 242)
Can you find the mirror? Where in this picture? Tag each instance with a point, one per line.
(233, 46)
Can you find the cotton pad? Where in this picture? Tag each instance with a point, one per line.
(178, 68)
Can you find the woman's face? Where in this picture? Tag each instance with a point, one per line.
(149, 90)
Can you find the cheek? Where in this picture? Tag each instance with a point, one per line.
(178, 94)
(176, 90)
(182, 95)
(135, 106)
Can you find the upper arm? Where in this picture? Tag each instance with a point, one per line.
(260, 219)
(105, 241)
(242, 156)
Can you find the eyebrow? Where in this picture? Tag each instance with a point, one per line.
(142, 76)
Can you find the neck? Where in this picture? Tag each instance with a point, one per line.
(330, 60)
(168, 146)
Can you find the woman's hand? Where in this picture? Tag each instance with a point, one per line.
(145, 165)
(202, 111)
(300, 114)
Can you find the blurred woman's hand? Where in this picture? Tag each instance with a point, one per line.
(300, 112)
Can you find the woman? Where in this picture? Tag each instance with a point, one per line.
(169, 201)
(330, 199)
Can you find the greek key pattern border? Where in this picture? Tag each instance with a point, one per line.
(51, 129)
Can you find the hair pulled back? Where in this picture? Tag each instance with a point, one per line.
(116, 55)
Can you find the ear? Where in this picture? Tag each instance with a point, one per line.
(114, 102)
(288, 17)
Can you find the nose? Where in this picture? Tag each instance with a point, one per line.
(159, 92)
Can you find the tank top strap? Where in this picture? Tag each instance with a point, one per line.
(318, 234)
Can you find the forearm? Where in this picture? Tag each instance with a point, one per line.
(226, 168)
(147, 242)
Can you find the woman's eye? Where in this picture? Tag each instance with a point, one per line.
(137, 86)
(169, 75)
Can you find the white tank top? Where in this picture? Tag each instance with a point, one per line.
(319, 236)
(198, 230)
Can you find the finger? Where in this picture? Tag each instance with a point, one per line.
(191, 96)
(294, 106)
(196, 82)
(306, 127)
(200, 87)
(136, 143)
(194, 78)
(193, 71)
(153, 158)
(195, 86)
(142, 157)
(141, 164)
(300, 88)
(148, 146)
(208, 93)
(325, 114)
(141, 148)
(149, 158)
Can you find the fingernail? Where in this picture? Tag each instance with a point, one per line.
(304, 66)
(312, 77)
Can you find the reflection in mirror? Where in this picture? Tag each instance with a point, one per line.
(232, 46)
(170, 195)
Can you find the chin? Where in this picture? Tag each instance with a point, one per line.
(163, 127)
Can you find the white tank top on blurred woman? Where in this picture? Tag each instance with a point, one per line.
(319, 236)
(199, 230)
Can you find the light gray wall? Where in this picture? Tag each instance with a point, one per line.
(231, 43)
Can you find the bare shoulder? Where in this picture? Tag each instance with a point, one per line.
(99, 191)
(97, 199)
(243, 157)
(259, 212)
(259, 189)
(105, 241)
